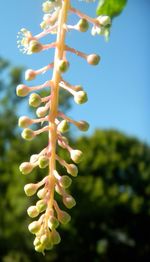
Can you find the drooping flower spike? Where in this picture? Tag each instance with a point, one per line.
(46, 211)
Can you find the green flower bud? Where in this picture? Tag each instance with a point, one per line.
(39, 248)
(83, 125)
(63, 66)
(72, 170)
(32, 211)
(69, 201)
(22, 90)
(24, 121)
(36, 241)
(43, 161)
(53, 222)
(64, 217)
(63, 126)
(30, 189)
(65, 181)
(26, 168)
(35, 100)
(55, 237)
(41, 193)
(34, 227)
(83, 25)
(93, 59)
(41, 205)
(34, 47)
(76, 156)
(80, 97)
(30, 75)
(41, 111)
(28, 134)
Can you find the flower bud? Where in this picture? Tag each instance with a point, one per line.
(36, 241)
(65, 181)
(80, 97)
(83, 25)
(64, 217)
(24, 121)
(63, 126)
(93, 59)
(41, 205)
(30, 189)
(46, 241)
(28, 134)
(63, 66)
(22, 90)
(35, 100)
(34, 227)
(72, 170)
(41, 111)
(55, 237)
(41, 193)
(32, 211)
(69, 201)
(34, 47)
(83, 125)
(65, 141)
(43, 161)
(53, 222)
(39, 248)
(104, 20)
(30, 75)
(26, 168)
(47, 6)
(76, 156)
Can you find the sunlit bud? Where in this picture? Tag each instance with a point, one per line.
(83, 125)
(58, 189)
(76, 156)
(24, 121)
(47, 6)
(35, 100)
(22, 90)
(34, 158)
(43, 161)
(83, 25)
(55, 237)
(46, 241)
(32, 211)
(104, 20)
(30, 189)
(36, 241)
(41, 193)
(41, 205)
(93, 59)
(72, 170)
(64, 217)
(28, 134)
(34, 227)
(53, 222)
(69, 201)
(30, 75)
(63, 66)
(41, 111)
(63, 126)
(39, 248)
(35, 47)
(26, 168)
(65, 181)
(80, 97)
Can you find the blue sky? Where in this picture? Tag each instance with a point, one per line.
(118, 89)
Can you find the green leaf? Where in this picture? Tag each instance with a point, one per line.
(111, 8)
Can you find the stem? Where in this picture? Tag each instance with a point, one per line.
(60, 47)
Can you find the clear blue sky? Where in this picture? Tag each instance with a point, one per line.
(119, 88)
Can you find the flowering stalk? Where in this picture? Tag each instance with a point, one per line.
(56, 122)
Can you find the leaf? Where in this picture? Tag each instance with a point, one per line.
(111, 8)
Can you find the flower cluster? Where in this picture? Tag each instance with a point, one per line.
(56, 123)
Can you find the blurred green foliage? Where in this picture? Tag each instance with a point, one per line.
(111, 220)
(111, 7)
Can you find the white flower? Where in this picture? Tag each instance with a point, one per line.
(23, 39)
